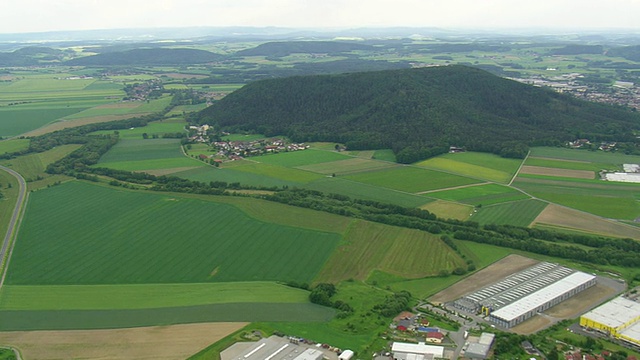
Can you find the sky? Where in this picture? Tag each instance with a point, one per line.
(20, 16)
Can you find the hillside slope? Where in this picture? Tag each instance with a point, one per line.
(416, 108)
(147, 57)
(277, 48)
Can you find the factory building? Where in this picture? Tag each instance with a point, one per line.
(619, 318)
(520, 296)
(420, 351)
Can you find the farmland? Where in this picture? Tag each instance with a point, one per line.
(411, 179)
(483, 194)
(150, 154)
(142, 296)
(477, 165)
(354, 259)
(518, 213)
(161, 342)
(144, 250)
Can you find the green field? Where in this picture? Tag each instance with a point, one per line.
(517, 213)
(385, 155)
(411, 179)
(480, 195)
(348, 166)
(372, 246)
(338, 185)
(584, 155)
(32, 166)
(16, 122)
(150, 154)
(153, 128)
(209, 173)
(571, 165)
(153, 238)
(300, 158)
(279, 172)
(9, 146)
(478, 165)
(17, 320)
(144, 296)
(610, 200)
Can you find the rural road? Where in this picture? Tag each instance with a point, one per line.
(15, 219)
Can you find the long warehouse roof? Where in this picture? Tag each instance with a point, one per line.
(542, 296)
(615, 313)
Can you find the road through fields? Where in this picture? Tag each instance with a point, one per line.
(15, 219)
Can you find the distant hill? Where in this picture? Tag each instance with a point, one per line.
(29, 56)
(147, 57)
(279, 49)
(628, 52)
(412, 110)
(576, 49)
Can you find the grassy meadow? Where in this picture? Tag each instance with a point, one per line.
(411, 179)
(518, 213)
(484, 194)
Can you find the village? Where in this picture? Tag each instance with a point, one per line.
(238, 149)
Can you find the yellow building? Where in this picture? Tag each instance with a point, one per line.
(619, 318)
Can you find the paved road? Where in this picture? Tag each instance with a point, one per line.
(15, 219)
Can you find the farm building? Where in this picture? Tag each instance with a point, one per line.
(520, 296)
(346, 355)
(619, 318)
(420, 351)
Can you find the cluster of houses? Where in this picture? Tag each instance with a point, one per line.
(239, 149)
(407, 322)
(581, 143)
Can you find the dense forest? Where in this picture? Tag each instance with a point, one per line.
(415, 111)
(147, 57)
(285, 48)
(628, 52)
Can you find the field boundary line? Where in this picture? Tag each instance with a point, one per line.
(519, 168)
(453, 188)
(12, 229)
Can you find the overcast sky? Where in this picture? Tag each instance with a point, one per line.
(17, 16)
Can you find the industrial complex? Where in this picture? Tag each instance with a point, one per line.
(619, 318)
(520, 296)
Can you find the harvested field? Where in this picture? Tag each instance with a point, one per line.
(539, 170)
(73, 123)
(563, 217)
(449, 210)
(484, 277)
(157, 342)
(532, 325)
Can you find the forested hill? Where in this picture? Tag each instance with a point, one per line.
(413, 109)
(279, 49)
(147, 57)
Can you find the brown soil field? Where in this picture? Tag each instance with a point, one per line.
(83, 121)
(157, 342)
(555, 215)
(539, 170)
(532, 325)
(484, 277)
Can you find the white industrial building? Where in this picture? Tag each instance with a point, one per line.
(542, 299)
(480, 350)
(276, 348)
(520, 296)
(420, 351)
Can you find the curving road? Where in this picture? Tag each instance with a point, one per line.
(15, 219)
